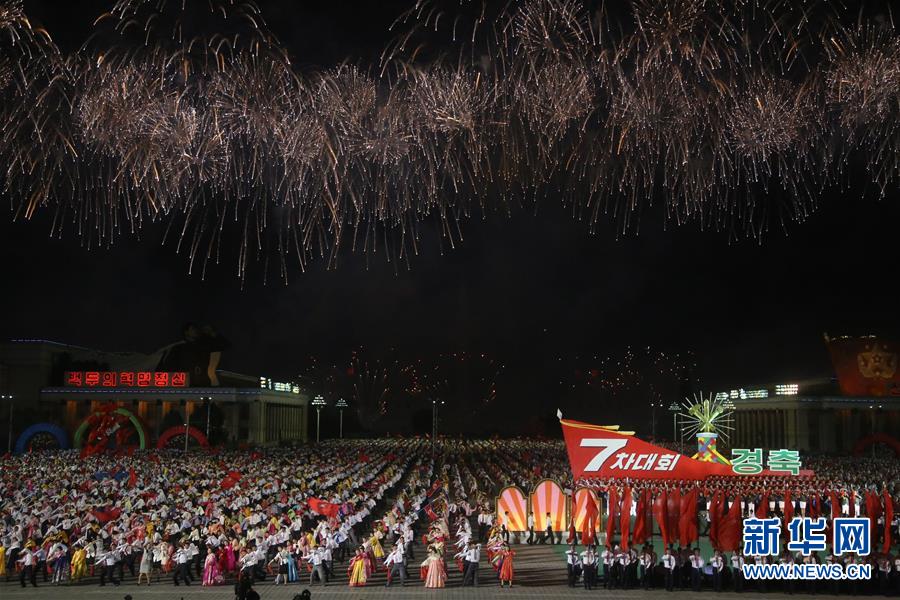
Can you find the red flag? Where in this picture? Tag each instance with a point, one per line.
(132, 477)
(625, 518)
(873, 511)
(323, 508)
(714, 520)
(612, 514)
(888, 519)
(835, 501)
(590, 521)
(687, 525)
(236, 475)
(730, 529)
(762, 509)
(435, 487)
(363, 457)
(853, 503)
(660, 514)
(432, 516)
(673, 507)
(640, 521)
(814, 507)
(107, 515)
(597, 451)
(788, 512)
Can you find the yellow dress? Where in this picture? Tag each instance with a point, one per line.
(79, 568)
(358, 572)
(2, 561)
(376, 547)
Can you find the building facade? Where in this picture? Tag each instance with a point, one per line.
(811, 416)
(59, 384)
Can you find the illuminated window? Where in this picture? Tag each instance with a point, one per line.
(787, 389)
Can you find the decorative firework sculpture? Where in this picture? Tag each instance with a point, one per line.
(707, 418)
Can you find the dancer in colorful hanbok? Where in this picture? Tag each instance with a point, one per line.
(357, 569)
(436, 572)
(506, 568)
(211, 568)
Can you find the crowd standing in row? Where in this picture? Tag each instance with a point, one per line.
(364, 507)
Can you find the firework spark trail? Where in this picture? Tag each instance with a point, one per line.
(729, 115)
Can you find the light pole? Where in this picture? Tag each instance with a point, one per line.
(434, 424)
(9, 432)
(187, 424)
(653, 406)
(318, 402)
(208, 407)
(674, 409)
(341, 405)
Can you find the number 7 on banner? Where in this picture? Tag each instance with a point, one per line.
(609, 445)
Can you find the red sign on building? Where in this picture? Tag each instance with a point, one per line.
(109, 379)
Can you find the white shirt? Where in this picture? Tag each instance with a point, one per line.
(697, 562)
(668, 561)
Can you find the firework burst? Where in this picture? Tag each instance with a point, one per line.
(191, 116)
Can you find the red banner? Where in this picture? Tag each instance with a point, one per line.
(865, 366)
(888, 518)
(323, 508)
(660, 513)
(625, 518)
(596, 451)
(730, 529)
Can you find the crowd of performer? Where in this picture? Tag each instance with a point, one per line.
(390, 512)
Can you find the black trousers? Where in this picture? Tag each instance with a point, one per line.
(182, 571)
(530, 539)
(590, 576)
(696, 579)
(738, 577)
(108, 572)
(470, 574)
(570, 571)
(669, 579)
(29, 574)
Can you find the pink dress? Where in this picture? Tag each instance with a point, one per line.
(437, 574)
(210, 570)
(229, 558)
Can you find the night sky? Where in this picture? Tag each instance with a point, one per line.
(526, 289)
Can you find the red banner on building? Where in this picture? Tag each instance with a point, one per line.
(865, 366)
(139, 379)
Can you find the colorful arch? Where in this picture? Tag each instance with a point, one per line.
(548, 497)
(876, 438)
(580, 508)
(54, 430)
(512, 500)
(175, 431)
(135, 422)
